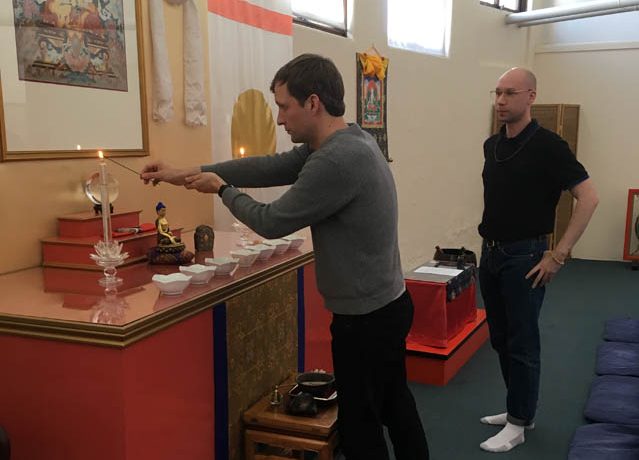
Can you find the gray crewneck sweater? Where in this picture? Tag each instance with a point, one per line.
(345, 192)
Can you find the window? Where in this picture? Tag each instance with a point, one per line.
(421, 26)
(327, 15)
(510, 5)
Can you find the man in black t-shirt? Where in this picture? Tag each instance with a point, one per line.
(526, 167)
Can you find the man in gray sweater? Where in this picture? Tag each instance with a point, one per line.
(342, 187)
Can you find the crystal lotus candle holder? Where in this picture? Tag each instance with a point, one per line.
(109, 255)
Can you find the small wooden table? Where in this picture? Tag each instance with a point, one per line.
(273, 427)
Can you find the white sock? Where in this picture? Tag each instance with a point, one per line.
(501, 419)
(509, 437)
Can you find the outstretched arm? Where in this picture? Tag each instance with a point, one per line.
(158, 171)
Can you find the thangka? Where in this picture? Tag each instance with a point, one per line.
(78, 43)
(371, 97)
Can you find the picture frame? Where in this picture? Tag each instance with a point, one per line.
(41, 120)
(372, 104)
(631, 240)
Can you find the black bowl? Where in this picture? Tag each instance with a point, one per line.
(318, 384)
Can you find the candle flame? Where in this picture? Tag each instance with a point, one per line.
(78, 147)
(101, 155)
(242, 152)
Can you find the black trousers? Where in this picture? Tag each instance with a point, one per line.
(370, 371)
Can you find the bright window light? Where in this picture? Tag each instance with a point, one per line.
(419, 25)
(330, 13)
(510, 5)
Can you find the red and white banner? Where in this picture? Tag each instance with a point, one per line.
(248, 42)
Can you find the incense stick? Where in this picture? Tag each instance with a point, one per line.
(125, 167)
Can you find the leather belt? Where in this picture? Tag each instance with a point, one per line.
(494, 243)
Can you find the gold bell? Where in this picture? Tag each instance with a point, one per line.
(276, 397)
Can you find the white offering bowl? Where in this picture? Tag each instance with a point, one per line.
(173, 284)
(200, 274)
(246, 257)
(296, 240)
(265, 251)
(223, 265)
(281, 245)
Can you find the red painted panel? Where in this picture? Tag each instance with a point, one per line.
(152, 400)
(88, 224)
(168, 391)
(317, 352)
(61, 401)
(77, 251)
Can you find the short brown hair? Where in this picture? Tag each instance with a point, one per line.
(313, 74)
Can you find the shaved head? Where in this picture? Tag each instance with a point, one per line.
(521, 75)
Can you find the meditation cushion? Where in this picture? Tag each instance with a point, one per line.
(604, 441)
(618, 358)
(622, 330)
(614, 399)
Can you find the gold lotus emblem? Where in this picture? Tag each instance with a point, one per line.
(252, 126)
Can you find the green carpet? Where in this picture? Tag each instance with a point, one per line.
(578, 302)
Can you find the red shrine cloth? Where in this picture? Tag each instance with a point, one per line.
(437, 321)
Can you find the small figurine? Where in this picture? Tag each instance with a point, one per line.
(170, 249)
(203, 238)
(165, 237)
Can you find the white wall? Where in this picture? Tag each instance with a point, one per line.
(615, 27)
(439, 114)
(594, 62)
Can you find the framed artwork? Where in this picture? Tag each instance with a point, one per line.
(371, 100)
(72, 79)
(631, 241)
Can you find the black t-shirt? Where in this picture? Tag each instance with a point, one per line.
(523, 179)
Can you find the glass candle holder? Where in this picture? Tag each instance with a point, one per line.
(109, 255)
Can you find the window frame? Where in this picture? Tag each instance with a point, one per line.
(324, 27)
(497, 4)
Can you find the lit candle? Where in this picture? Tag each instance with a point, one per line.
(241, 152)
(78, 147)
(104, 199)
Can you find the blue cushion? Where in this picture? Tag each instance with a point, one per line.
(618, 358)
(622, 330)
(614, 399)
(603, 441)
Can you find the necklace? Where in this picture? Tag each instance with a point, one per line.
(519, 149)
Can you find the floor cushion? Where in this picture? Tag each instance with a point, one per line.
(622, 330)
(604, 441)
(618, 358)
(614, 399)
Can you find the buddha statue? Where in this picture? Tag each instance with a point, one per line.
(165, 237)
(170, 249)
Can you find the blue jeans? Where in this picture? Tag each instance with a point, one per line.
(512, 311)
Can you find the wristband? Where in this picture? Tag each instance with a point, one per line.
(554, 257)
(220, 191)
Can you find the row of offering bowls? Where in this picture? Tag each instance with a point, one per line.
(175, 283)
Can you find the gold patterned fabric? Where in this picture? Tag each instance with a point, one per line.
(262, 348)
